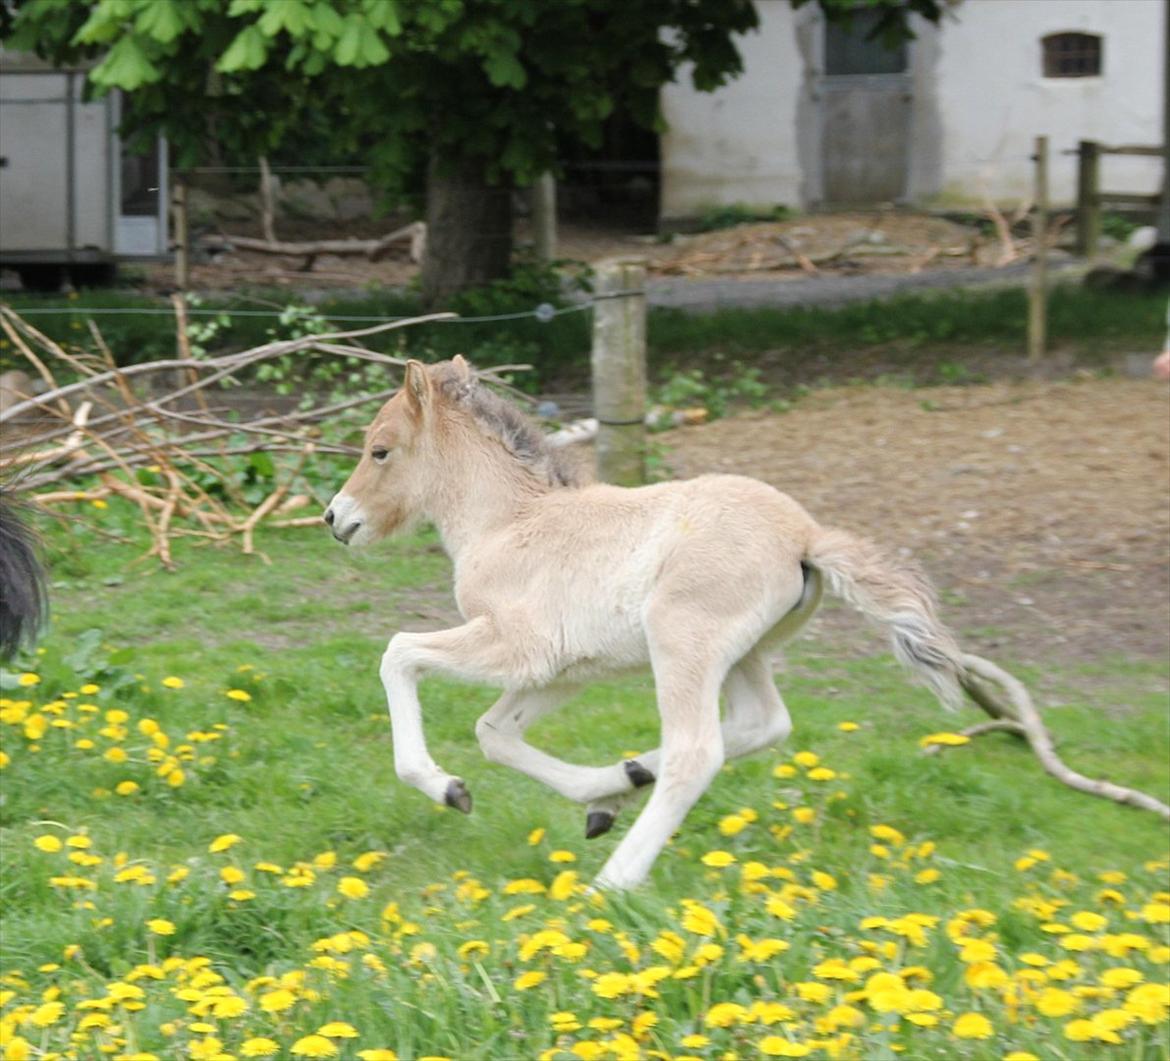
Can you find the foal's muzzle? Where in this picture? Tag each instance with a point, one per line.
(343, 528)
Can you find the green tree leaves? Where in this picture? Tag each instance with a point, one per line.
(247, 52)
(127, 66)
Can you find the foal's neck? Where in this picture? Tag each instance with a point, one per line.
(480, 490)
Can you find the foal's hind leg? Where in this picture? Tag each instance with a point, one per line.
(756, 718)
(500, 731)
(692, 752)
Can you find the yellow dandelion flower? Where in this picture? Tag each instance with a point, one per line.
(562, 856)
(725, 1014)
(1054, 1002)
(698, 920)
(847, 727)
(826, 882)
(46, 1014)
(1088, 921)
(366, 862)
(564, 885)
(535, 837)
(821, 773)
(353, 887)
(718, 859)
(171, 682)
(612, 985)
(28, 678)
(338, 1029)
(160, 926)
(126, 788)
(1120, 977)
(18, 1049)
(48, 843)
(314, 1046)
(529, 979)
(379, 1053)
(972, 1026)
(524, 886)
(277, 1001)
(259, 1046)
(733, 824)
(804, 815)
(473, 948)
(1080, 1031)
(778, 1046)
(222, 843)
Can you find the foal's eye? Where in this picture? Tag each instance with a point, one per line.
(379, 453)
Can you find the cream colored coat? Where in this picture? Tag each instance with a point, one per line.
(561, 582)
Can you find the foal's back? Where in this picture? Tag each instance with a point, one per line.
(587, 568)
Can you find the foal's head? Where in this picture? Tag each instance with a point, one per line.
(441, 420)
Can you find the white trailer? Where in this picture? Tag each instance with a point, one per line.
(73, 200)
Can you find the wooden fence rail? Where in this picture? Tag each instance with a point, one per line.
(1091, 197)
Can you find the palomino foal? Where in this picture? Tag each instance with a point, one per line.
(561, 581)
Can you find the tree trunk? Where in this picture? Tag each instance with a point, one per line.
(469, 230)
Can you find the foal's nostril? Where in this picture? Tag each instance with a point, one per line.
(329, 517)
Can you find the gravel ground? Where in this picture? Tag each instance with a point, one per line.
(1041, 509)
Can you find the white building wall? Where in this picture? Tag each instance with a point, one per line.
(737, 145)
(993, 100)
(980, 99)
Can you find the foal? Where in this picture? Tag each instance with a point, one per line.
(561, 581)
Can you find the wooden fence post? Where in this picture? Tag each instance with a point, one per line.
(1038, 290)
(544, 217)
(1088, 198)
(619, 372)
(181, 238)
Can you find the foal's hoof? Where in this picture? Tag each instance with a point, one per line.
(597, 823)
(639, 776)
(457, 796)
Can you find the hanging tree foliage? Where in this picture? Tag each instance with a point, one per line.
(474, 96)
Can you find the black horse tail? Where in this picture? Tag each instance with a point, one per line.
(23, 600)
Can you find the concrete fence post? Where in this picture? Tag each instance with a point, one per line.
(619, 372)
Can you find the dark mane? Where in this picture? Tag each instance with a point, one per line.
(500, 419)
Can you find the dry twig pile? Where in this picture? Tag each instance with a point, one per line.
(149, 433)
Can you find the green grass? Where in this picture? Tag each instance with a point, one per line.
(304, 768)
(913, 332)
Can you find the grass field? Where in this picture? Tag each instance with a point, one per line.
(207, 854)
(917, 334)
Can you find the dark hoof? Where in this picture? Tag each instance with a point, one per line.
(639, 776)
(597, 823)
(457, 796)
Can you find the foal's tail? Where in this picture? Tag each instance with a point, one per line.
(897, 594)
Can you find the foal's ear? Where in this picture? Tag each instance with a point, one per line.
(462, 368)
(418, 387)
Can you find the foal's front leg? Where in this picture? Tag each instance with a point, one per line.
(471, 652)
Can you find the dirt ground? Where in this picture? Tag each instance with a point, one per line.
(1040, 509)
(844, 244)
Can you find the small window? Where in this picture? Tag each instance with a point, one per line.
(1072, 55)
